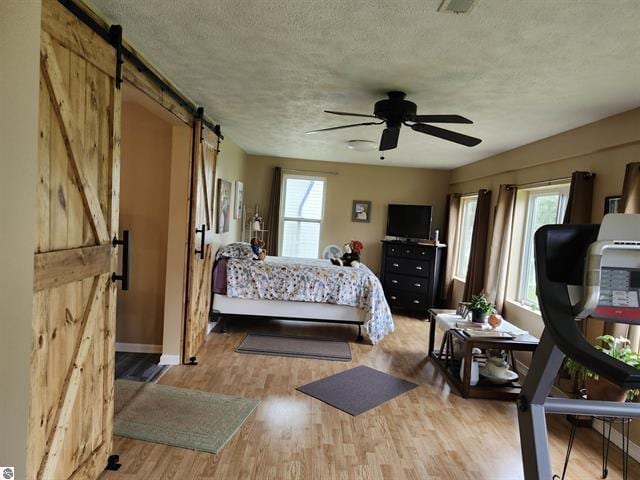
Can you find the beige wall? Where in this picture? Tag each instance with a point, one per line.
(144, 210)
(19, 57)
(382, 185)
(177, 243)
(232, 165)
(603, 147)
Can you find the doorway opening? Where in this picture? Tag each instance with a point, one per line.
(155, 164)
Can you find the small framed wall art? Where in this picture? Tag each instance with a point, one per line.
(361, 211)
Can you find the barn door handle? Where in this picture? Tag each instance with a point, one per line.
(126, 259)
(201, 230)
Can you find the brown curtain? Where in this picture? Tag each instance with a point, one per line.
(630, 203)
(475, 272)
(273, 214)
(453, 202)
(495, 284)
(580, 201)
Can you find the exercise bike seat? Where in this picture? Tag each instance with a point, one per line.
(560, 254)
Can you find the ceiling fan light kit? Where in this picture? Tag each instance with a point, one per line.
(361, 145)
(394, 112)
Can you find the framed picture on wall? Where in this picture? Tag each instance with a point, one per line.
(223, 210)
(239, 200)
(611, 204)
(361, 211)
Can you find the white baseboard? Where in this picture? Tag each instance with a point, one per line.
(616, 436)
(138, 348)
(169, 359)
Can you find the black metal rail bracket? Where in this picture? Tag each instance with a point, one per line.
(113, 463)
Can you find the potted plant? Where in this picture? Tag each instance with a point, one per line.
(598, 388)
(480, 308)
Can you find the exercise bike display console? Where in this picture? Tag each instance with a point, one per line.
(599, 266)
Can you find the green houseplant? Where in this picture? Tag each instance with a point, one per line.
(480, 308)
(600, 388)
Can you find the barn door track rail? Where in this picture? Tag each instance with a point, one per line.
(113, 35)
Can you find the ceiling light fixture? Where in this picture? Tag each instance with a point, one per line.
(362, 145)
(456, 6)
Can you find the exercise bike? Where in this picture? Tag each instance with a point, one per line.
(582, 271)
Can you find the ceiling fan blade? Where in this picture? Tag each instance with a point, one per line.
(465, 140)
(389, 139)
(441, 119)
(350, 114)
(344, 126)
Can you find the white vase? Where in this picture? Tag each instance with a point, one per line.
(475, 372)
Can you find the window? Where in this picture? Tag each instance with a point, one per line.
(544, 206)
(465, 231)
(301, 213)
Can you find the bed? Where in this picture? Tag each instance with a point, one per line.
(299, 289)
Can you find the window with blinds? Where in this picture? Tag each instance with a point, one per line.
(302, 207)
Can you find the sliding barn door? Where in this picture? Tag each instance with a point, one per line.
(202, 222)
(72, 365)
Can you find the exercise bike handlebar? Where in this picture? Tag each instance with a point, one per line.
(561, 251)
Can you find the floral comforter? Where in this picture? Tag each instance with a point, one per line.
(309, 280)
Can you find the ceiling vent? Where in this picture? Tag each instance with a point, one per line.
(456, 6)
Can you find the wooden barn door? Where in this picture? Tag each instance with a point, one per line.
(72, 366)
(200, 259)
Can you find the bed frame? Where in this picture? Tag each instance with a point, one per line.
(224, 308)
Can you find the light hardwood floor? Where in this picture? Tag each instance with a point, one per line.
(429, 432)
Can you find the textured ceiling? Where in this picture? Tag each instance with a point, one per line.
(265, 69)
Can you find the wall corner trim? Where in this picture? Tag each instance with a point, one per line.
(169, 359)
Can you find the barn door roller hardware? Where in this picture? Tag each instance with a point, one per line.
(115, 32)
(126, 259)
(105, 33)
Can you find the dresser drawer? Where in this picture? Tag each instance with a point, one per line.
(425, 253)
(406, 300)
(405, 266)
(401, 251)
(406, 283)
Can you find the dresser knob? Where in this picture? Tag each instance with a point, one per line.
(394, 281)
(418, 268)
(416, 301)
(417, 284)
(396, 265)
(393, 298)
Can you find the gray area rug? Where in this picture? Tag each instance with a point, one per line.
(357, 390)
(177, 416)
(304, 347)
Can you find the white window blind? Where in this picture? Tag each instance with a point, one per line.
(544, 207)
(465, 229)
(302, 207)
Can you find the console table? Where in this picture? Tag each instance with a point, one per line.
(410, 275)
(451, 369)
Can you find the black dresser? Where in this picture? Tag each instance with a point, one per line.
(410, 275)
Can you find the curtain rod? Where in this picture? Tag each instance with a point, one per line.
(308, 171)
(544, 183)
(541, 183)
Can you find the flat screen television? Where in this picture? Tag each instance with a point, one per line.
(410, 221)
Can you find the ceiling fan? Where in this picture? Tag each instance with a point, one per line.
(395, 112)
